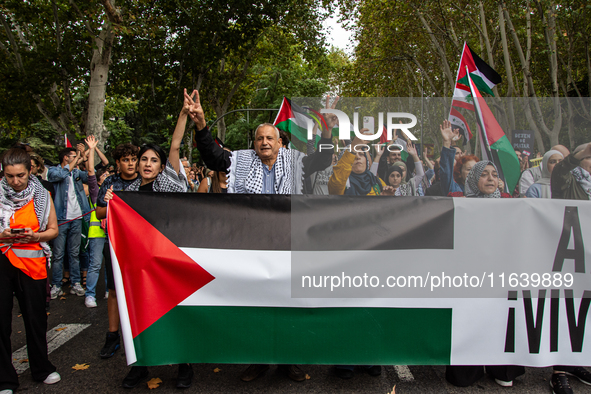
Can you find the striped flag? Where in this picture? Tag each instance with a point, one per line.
(294, 120)
(232, 287)
(485, 77)
(496, 145)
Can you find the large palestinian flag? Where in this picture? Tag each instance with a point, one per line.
(254, 279)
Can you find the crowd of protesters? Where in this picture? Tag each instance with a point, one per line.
(57, 214)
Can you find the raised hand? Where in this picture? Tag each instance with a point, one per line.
(194, 108)
(80, 147)
(331, 119)
(447, 133)
(412, 150)
(91, 141)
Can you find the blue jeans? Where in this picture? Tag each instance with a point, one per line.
(95, 249)
(70, 232)
(84, 260)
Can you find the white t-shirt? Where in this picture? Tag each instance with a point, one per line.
(73, 209)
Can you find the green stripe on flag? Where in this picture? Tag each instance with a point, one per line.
(296, 131)
(509, 161)
(272, 335)
(480, 84)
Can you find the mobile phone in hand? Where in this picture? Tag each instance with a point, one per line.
(17, 231)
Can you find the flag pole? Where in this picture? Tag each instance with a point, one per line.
(483, 136)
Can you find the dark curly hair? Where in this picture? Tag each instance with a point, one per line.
(124, 150)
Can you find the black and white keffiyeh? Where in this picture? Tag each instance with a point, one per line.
(246, 172)
(471, 186)
(11, 201)
(167, 181)
(583, 178)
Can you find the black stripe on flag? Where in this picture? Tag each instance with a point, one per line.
(299, 223)
(371, 223)
(216, 221)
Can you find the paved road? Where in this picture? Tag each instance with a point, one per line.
(104, 376)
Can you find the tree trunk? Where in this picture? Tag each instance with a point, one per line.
(99, 73)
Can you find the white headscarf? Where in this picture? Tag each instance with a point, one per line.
(544, 181)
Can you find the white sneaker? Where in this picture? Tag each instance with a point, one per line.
(56, 291)
(107, 295)
(90, 302)
(504, 383)
(77, 289)
(6, 391)
(53, 377)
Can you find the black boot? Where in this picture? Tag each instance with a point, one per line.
(135, 377)
(185, 376)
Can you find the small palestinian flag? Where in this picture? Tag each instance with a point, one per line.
(485, 78)
(293, 120)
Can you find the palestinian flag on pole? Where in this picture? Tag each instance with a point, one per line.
(483, 75)
(497, 147)
(294, 120)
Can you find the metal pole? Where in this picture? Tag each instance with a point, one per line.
(422, 107)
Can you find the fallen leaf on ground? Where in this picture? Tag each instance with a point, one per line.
(19, 315)
(48, 313)
(216, 370)
(393, 390)
(61, 329)
(19, 332)
(62, 298)
(25, 360)
(80, 367)
(154, 383)
(308, 377)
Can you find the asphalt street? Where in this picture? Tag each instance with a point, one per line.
(105, 376)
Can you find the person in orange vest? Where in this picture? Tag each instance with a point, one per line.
(27, 221)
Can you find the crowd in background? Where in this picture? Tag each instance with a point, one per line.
(80, 190)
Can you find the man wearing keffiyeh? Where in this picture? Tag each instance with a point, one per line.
(270, 168)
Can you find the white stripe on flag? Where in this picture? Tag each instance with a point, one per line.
(123, 312)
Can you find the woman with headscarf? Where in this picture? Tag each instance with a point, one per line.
(482, 182)
(541, 188)
(410, 185)
(351, 176)
(27, 222)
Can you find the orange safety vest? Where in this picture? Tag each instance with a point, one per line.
(29, 258)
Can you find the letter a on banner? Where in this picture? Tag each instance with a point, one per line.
(571, 221)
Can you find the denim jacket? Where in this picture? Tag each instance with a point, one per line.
(58, 176)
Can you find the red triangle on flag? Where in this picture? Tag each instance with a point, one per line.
(156, 274)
